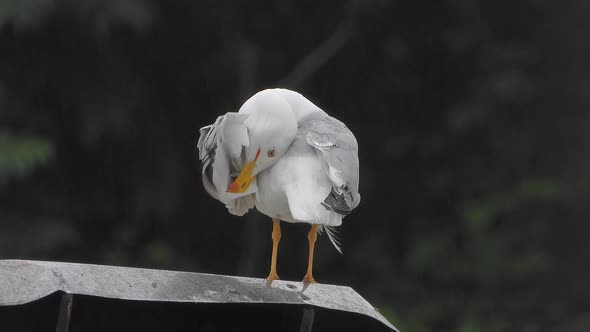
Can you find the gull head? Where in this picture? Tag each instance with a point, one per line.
(271, 128)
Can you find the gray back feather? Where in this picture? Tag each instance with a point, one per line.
(337, 147)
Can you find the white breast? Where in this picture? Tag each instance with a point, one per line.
(294, 188)
(270, 198)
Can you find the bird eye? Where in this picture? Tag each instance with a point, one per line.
(271, 153)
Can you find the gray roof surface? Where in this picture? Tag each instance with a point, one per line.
(23, 281)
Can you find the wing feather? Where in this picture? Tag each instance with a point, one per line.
(338, 148)
(220, 151)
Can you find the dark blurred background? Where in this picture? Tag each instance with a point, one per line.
(472, 120)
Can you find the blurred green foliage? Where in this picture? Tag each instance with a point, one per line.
(19, 155)
(104, 14)
(472, 120)
(24, 13)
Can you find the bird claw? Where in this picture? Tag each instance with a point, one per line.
(308, 279)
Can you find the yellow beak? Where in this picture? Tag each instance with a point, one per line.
(242, 182)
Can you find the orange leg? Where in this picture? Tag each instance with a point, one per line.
(276, 237)
(311, 236)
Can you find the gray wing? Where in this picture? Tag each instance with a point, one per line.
(337, 147)
(221, 148)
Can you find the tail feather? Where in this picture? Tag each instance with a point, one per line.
(331, 232)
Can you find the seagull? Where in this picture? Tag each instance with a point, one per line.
(288, 158)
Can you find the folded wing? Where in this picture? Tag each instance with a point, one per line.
(337, 147)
